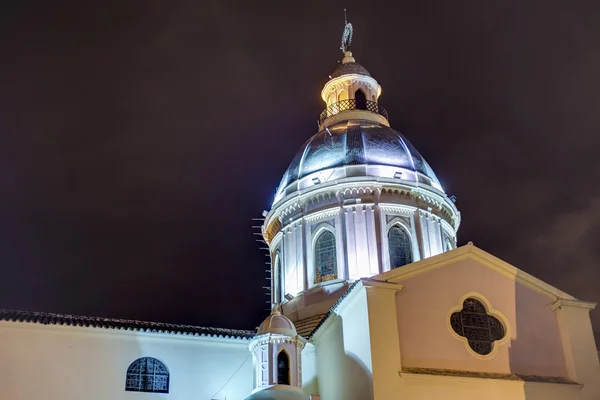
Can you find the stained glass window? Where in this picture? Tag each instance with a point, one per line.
(400, 247)
(479, 328)
(147, 375)
(278, 289)
(283, 368)
(325, 257)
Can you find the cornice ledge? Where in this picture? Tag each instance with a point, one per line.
(560, 303)
(371, 284)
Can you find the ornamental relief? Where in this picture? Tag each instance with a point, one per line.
(335, 88)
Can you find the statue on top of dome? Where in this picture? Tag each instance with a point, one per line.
(347, 35)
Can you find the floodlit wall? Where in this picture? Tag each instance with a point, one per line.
(533, 345)
(344, 367)
(47, 362)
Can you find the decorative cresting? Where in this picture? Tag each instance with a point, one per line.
(147, 375)
(352, 104)
(479, 328)
(276, 350)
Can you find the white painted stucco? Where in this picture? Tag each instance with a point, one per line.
(48, 362)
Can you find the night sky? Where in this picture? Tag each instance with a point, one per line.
(139, 138)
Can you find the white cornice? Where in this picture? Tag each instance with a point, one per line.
(561, 303)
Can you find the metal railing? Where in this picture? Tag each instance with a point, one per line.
(352, 104)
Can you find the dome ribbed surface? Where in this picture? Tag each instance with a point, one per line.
(355, 143)
(349, 68)
(277, 323)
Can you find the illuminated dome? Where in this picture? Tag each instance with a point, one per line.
(278, 324)
(356, 201)
(349, 68)
(357, 143)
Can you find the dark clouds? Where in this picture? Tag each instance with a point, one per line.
(139, 138)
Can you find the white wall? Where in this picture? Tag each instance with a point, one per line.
(344, 353)
(47, 362)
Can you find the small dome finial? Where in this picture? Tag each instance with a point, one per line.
(348, 58)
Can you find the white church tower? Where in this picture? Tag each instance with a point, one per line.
(357, 200)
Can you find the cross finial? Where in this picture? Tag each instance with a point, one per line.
(347, 35)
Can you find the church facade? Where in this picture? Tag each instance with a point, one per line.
(371, 297)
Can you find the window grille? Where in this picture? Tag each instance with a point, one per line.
(147, 375)
(400, 247)
(325, 257)
(479, 328)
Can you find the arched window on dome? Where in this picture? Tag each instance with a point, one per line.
(325, 257)
(400, 247)
(283, 368)
(278, 286)
(147, 374)
(361, 100)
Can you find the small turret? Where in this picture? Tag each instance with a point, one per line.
(276, 351)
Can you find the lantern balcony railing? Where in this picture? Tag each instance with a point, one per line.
(352, 104)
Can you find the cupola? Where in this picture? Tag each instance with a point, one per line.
(276, 350)
(357, 200)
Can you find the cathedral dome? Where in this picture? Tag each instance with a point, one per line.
(356, 142)
(278, 324)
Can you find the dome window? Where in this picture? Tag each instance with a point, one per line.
(361, 100)
(325, 257)
(400, 247)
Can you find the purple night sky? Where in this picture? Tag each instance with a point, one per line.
(138, 139)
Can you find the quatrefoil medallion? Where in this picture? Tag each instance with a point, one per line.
(477, 326)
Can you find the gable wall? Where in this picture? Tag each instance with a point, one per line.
(426, 338)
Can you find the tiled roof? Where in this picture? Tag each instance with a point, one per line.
(334, 307)
(305, 326)
(121, 324)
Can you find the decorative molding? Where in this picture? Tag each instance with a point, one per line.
(396, 208)
(371, 284)
(322, 215)
(470, 251)
(473, 375)
(560, 303)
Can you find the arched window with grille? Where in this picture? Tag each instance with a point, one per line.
(400, 247)
(325, 257)
(147, 374)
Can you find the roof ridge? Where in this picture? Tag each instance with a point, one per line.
(49, 318)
